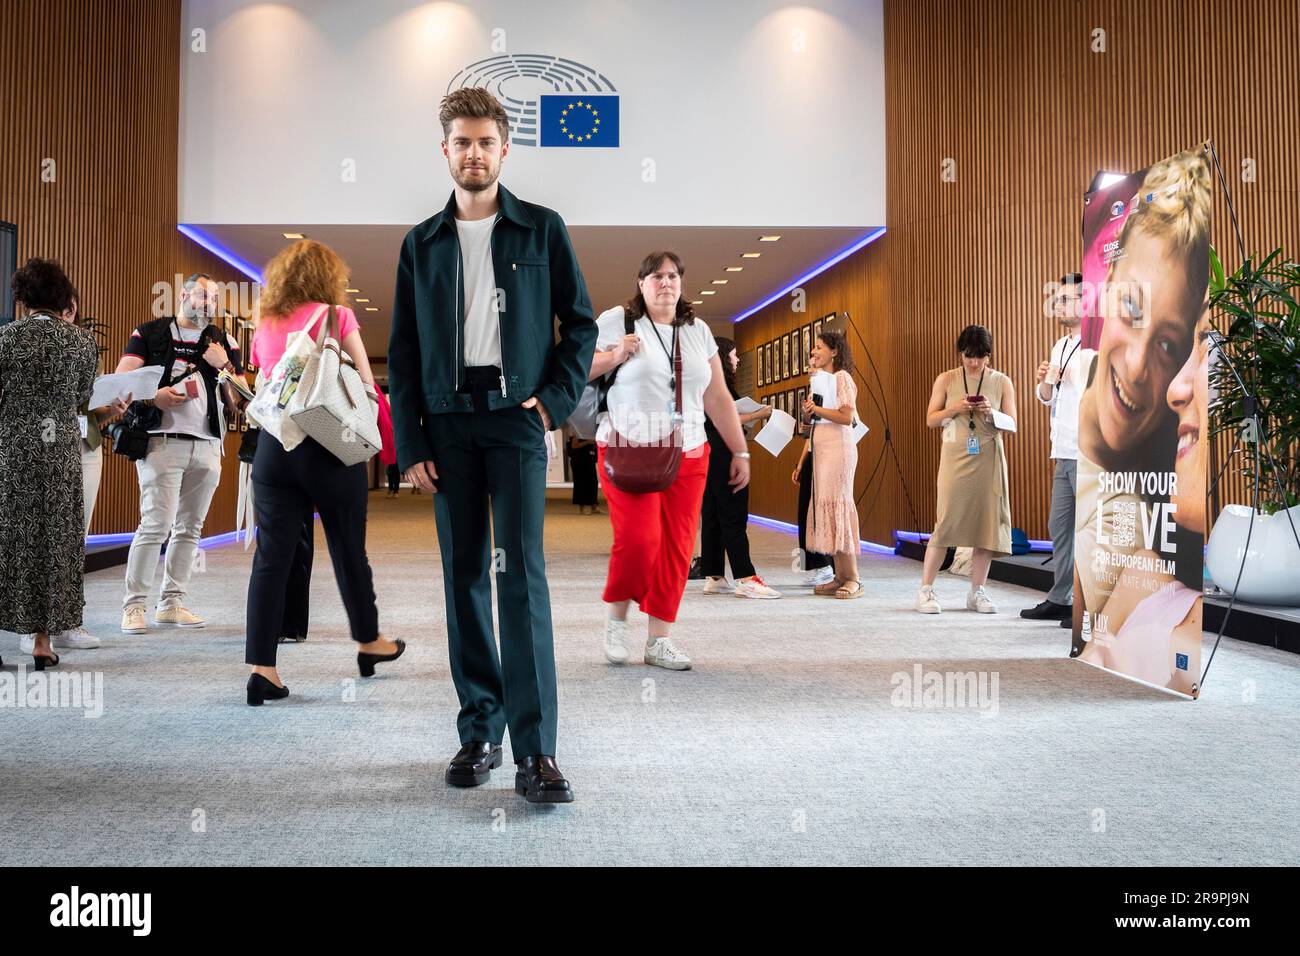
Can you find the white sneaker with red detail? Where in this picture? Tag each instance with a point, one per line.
(755, 587)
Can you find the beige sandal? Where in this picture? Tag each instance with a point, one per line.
(844, 594)
(829, 588)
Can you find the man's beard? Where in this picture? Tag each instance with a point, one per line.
(198, 316)
(476, 186)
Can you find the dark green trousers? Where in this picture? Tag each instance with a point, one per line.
(495, 463)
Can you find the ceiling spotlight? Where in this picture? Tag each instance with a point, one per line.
(768, 238)
(708, 292)
(293, 235)
(351, 290)
(697, 302)
(735, 268)
(720, 281)
(371, 308)
(750, 255)
(361, 300)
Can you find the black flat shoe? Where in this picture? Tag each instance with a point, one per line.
(1067, 621)
(292, 638)
(473, 764)
(43, 661)
(260, 690)
(1047, 611)
(366, 662)
(538, 780)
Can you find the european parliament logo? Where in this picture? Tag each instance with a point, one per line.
(550, 101)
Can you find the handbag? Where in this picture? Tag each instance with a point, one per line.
(640, 469)
(274, 390)
(331, 403)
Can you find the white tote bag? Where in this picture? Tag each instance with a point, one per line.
(268, 408)
(331, 403)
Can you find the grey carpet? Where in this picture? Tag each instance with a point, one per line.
(782, 745)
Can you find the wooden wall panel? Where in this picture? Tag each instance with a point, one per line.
(1012, 92)
(96, 88)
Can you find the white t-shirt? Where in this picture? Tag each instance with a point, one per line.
(191, 416)
(482, 332)
(1074, 361)
(641, 396)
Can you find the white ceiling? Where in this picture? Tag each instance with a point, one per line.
(609, 257)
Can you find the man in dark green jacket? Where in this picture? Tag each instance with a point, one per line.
(476, 378)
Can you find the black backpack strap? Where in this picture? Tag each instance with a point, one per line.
(607, 381)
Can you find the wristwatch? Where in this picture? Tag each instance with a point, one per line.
(740, 454)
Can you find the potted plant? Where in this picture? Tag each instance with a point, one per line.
(1260, 335)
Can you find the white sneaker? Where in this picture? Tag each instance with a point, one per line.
(26, 643)
(926, 602)
(616, 649)
(978, 600)
(716, 586)
(663, 653)
(78, 638)
(133, 620)
(820, 576)
(181, 617)
(754, 587)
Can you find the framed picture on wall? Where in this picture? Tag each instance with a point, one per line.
(807, 347)
(791, 408)
(816, 330)
(796, 349)
(776, 362)
(786, 367)
(799, 394)
(760, 368)
(771, 367)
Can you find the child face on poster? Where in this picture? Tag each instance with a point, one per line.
(1148, 313)
(1189, 399)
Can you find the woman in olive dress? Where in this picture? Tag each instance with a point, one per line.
(47, 370)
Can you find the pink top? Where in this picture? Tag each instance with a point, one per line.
(272, 334)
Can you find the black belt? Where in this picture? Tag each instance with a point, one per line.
(480, 381)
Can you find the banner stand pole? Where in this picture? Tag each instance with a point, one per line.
(889, 438)
(1250, 407)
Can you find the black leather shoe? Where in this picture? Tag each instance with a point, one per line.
(1047, 611)
(1067, 621)
(540, 781)
(473, 764)
(260, 690)
(366, 662)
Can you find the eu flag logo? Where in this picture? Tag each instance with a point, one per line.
(577, 119)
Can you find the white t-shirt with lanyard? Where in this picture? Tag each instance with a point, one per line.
(641, 398)
(1073, 361)
(191, 416)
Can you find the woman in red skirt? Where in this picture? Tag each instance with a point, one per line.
(654, 532)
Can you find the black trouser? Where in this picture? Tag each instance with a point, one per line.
(812, 560)
(394, 478)
(286, 486)
(723, 517)
(492, 494)
(582, 462)
(297, 595)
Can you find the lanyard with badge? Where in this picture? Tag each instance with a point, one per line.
(1060, 378)
(672, 375)
(973, 441)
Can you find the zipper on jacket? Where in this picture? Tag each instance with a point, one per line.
(501, 339)
(459, 317)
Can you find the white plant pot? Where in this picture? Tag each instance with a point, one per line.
(1272, 574)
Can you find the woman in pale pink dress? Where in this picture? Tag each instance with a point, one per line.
(832, 512)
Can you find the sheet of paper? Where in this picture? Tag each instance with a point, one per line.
(745, 405)
(776, 434)
(1004, 422)
(142, 383)
(823, 383)
(859, 431)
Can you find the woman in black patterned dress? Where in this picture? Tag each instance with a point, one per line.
(47, 369)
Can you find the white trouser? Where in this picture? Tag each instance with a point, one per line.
(92, 467)
(177, 479)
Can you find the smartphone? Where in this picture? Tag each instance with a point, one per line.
(192, 387)
(975, 399)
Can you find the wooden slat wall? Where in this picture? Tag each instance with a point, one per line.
(1012, 91)
(96, 88)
